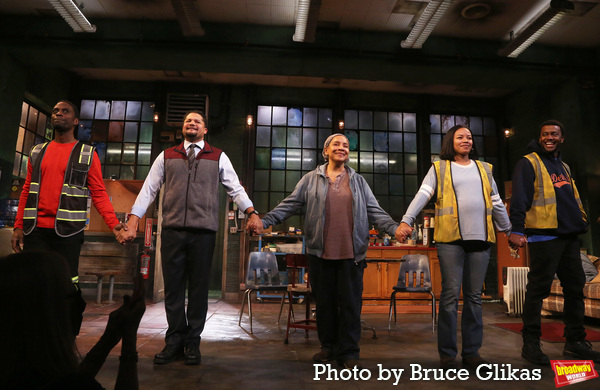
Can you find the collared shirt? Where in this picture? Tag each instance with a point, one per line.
(155, 180)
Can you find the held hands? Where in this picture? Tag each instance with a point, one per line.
(403, 232)
(516, 241)
(128, 232)
(254, 224)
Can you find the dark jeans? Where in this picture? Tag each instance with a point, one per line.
(337, 286)
(561, 257)
(47, 240)
(186, 259)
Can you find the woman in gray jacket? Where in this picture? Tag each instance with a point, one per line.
(340, 207)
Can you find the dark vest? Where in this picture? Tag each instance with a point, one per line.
(71, 215)
(191, 195)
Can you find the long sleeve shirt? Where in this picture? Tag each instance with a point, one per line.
(155, 179)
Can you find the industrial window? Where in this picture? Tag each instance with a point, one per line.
(485, 136)
(121, 131)
(34, 129)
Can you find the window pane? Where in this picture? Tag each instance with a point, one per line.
(365, 120)
(353, 162)
(142, 172)
(410, 163)
(380, 141)
(126, 173)
(102, 109)
(291, 179)
(489, 126)
(366, 162)
(434, 121)
(352, 139)
(117, 111)
(278, 158)
(279, 137)
(436, 143)
(325, 117)
(148, 111)
(462, 120)
(380, 120)
(263, 136)
(24, 111)
(380, 184)
(17, 164)
(277, 181)
(294, 138)
(279, 116)
(447, 122)
(23, 170)
(410, 182)
(294, 117)
(476, 125)
(395, 142)
(309, 159)
(369, 179)
(410, 142)
(32, 119)
(261, 200)
(410, 123)
(275, 199)
(101, 150)
(263, 158)
(41, 126)
(366, 140)
(87, 109)
(131, 131)
(20, 139)
(395, 163)
(134, 111)
(309, 138)
(479, 145)
(113, 153)
(396, 185)
(263, 115)
(395, 121)
(310, 117)
(381, 162)
(99, 131)
(144, 153)
(351, 119)
(261, 181)
(112, 170)
(323, 134)
(146, 132)
(29, 142)
(84, 131)
(294, 159)
(115, 132)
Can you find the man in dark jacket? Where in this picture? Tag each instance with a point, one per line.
(546, 212)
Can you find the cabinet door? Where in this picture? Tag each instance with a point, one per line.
(391, 278)
(436, 276)
(372, 281)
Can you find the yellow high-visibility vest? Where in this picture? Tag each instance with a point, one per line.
(447, 227)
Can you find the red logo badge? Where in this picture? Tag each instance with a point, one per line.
(567, 372)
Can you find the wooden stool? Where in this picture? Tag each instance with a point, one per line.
(111, 283)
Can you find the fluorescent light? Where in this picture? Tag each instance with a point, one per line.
(536, 27)
(301, 20)
(72, 15)
(426, 23)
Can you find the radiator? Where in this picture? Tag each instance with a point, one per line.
(515, 283)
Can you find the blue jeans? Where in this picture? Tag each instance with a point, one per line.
(460, 263)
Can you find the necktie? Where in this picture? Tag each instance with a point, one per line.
(191, 155)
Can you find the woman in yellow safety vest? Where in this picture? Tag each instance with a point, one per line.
(466, 208)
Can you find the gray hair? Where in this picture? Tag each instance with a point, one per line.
(328, 141)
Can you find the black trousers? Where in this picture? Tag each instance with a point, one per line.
(337, 286)
(186, 259)
(42, 239)
(559, 256)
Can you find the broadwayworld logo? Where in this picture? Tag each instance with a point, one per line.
(567, 372)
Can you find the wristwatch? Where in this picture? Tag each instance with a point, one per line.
(253, 212)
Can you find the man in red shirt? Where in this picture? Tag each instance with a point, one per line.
(53, 203)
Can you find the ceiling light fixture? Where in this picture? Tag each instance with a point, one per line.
(426, 23)
(71, 13)
(536, 27)
(301, 20)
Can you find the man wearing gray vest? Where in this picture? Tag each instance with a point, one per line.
(191, 173)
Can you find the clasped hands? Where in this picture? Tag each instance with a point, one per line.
(254, 224)
(403, 231)
(125, 233)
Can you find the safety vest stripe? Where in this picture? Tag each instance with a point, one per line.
(74, 191)
(85, 155)
(75, 279)
(445, 211)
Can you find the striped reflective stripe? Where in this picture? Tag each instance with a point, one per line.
(445, 211)
(85, 157)
(74, 191)
(75, 279)
(66, 215)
